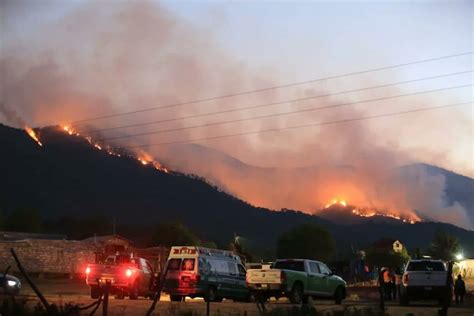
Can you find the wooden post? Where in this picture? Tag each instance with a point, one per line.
(105, 303)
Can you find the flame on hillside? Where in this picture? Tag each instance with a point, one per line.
(33, 135)
(142, 157)
(370, 212)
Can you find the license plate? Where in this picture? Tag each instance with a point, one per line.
(263, 286)
(428, 288)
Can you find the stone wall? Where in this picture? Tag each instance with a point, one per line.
(48, 256)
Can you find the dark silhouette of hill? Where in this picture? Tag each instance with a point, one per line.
(69, 177)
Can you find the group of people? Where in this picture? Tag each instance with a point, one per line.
(391, 280)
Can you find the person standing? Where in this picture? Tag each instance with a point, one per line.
(387, 281)
(459, 290)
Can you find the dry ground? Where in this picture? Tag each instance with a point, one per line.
(75, 291)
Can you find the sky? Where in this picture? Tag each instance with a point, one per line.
(283, 42)
(63, 61)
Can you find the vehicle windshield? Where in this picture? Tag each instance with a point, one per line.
(426, 266)
(290, 265)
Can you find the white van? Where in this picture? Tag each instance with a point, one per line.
(212, 274)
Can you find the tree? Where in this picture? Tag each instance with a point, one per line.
(174, 234)
(444, 246)
(307, 241)
(387, 258)
(24, 220)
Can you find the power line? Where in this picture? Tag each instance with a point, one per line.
(274, 103)
(268, 88)
(283, 113)
(301, 126)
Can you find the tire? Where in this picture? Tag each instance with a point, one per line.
(212, 295)
(95, 291)
(339, 295)
(133, 292)
(176, 298)
(296, 294)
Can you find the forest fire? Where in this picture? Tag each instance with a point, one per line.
(336, 202)
(143, 157)
(371, 212)
(33, 135)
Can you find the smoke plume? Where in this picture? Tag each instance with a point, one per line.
(101, 58)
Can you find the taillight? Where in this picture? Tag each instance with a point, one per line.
(88, 270)
(128, 273)
(405, 279)
(282, 277)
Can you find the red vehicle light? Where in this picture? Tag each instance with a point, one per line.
(88, 270)
(128, 273)
(405, 279)
(283, 277)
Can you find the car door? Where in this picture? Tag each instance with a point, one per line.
(315, 279)
(328, 286)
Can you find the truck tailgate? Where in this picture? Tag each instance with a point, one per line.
(264, 276)
(427, 278)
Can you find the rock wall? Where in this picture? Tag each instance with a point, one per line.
(48, 256)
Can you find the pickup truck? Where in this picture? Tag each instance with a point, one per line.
(296, 279)
(424, 279)
(128, 276)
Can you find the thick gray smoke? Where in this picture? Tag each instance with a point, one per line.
(101, 58)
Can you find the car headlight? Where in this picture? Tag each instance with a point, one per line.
(11, 283)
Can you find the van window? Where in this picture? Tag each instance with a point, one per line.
(219, 266)
(426, 266)
(232, 267)
(188, 265)
(174, 264)
(295, 265)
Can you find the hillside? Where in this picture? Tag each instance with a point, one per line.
(69, 177)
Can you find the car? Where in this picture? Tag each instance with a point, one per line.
(128, 276)
(424, 279)
(212, 274)
(297, 279)
(9, 284)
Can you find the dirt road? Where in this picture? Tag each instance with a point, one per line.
(75, 291)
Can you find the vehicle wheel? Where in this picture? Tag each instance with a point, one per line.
(296, 294)
(95, 291)
(176, 298)
(339, 295)
(212, 295)
(133, 292)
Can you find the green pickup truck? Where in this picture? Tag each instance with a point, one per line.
(296, 279)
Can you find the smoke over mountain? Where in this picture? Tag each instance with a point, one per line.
(99, 59)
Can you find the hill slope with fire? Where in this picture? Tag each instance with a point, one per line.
(73, 176)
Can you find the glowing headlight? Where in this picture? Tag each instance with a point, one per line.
(11, 283)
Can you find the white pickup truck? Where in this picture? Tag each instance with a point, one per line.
(424, 280)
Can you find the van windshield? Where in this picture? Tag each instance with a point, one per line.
(290, 265)
(426, 266)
